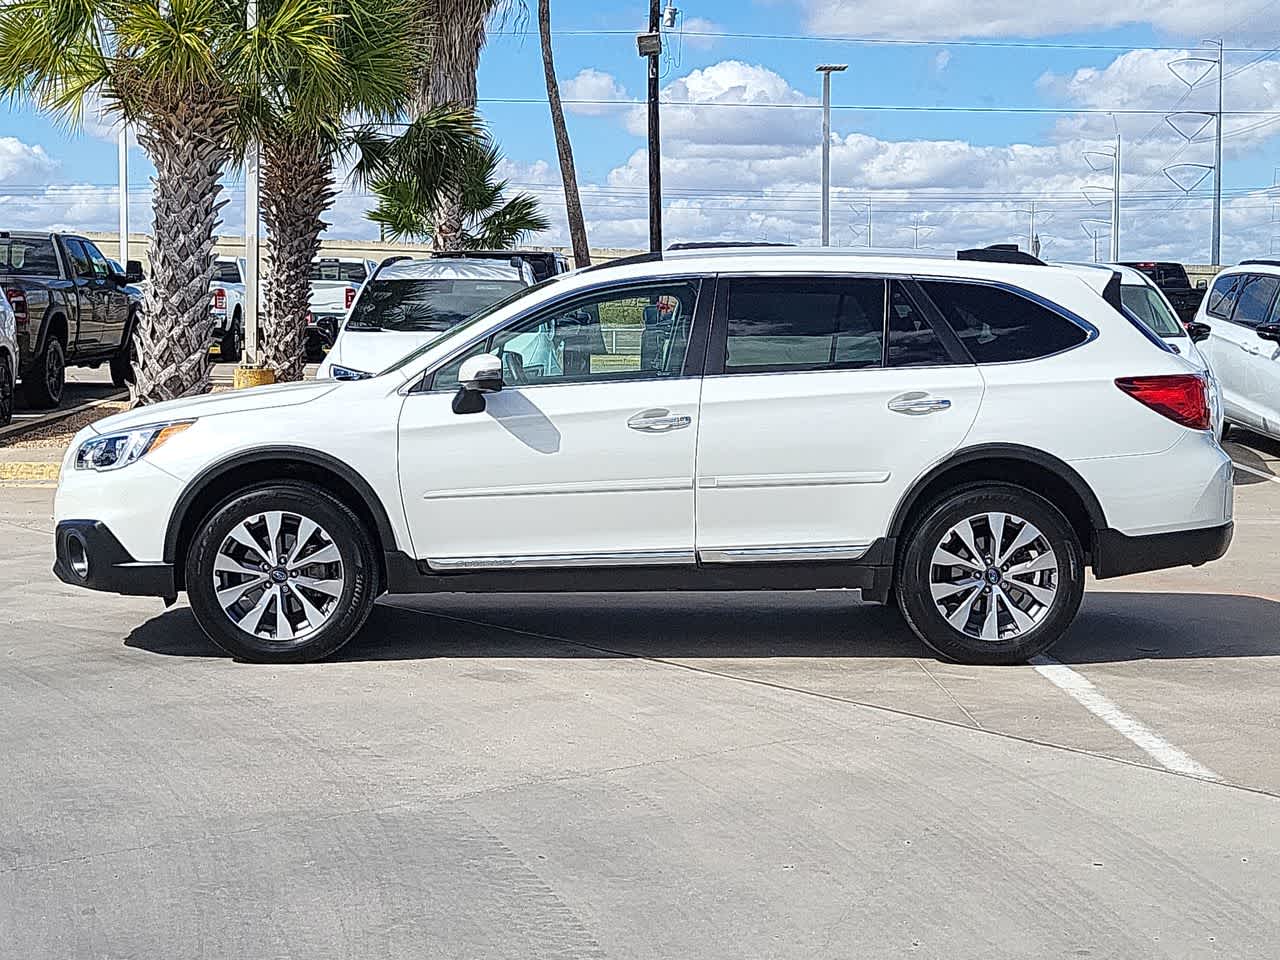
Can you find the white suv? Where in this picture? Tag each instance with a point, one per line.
(1242, 312)
(963, 434)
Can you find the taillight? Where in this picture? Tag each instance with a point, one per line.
(17, 298)
(219, 299)
(1182, 397)
(351, 297)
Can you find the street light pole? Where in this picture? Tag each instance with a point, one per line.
(1115, 205)
(826, 70)
(122, 148)
(252, 155)
(655, 136)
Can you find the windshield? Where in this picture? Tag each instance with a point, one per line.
(426, 305)
(344, 271)
(474, 319)
(1150, 307)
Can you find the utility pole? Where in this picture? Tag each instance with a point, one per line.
(916, 227)
(826, 70)
(122, 148)
(1216, 240)
(869, 243)
(649, 46)
(1115, 207)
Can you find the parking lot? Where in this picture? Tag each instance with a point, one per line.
(765, 775)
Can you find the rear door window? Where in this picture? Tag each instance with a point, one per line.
(804, 323)
(998, 325)
(1222, 298)
(1254, 300)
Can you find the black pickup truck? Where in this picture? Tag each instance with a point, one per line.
(1173, 281)
(73, 307)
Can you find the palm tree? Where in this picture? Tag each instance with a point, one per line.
(303, 132)
(185, 73)
(410, 173)
(564, 149)
(455, 35)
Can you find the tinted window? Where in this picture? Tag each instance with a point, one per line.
(1254, 300)
(426, 305)
(619, 335)
(100, 265)
(999, 326)
(1149, 307)
(912, 340)
(1223, 296)
(79, 259)
(804, 324)
(28, 258)
(344, 271)
(226, 271)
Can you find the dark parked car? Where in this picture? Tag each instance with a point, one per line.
(72, 308)
(1173, 281)
(544, 263)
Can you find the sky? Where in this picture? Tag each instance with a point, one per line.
(953, 121)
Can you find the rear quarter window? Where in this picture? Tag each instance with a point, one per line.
(1000, 326)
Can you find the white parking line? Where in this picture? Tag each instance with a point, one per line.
(1256, 472)
(1090, 697)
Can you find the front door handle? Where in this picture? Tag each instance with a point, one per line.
(918, 403)
(658, 421)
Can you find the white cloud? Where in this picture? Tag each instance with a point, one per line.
(592, 85)
(24, 163)
(699, 25)
(935, 19)
(732, 82)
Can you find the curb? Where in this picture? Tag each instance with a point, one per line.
(25, 470)
(17, 429)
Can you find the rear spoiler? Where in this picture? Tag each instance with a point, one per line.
(1111, 292)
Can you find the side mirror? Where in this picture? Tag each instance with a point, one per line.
(1268, 331)
(477, 376)
(1198, 331)
(1202, 284)
(133, 272)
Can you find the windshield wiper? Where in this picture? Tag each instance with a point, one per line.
(363, 327)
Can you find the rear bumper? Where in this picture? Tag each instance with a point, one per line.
(1116, 554)
(88, 555)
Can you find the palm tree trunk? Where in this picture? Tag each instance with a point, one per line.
(297, 187)
(457, 37)
(189, 145)
(564, 149)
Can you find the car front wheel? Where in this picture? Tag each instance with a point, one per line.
(992, 574)
(282, 574)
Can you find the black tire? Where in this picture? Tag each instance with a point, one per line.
(232, 344)
(914, 582)
(42, 386)
(359, 572)
(6, 391)
(122, 363)
(1225, 433)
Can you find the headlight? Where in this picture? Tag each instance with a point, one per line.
(346, 373)
(118, 450)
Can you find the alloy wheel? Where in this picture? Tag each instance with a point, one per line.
(54, 370)
(278, 576)
(994, 576)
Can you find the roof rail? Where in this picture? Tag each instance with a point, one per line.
(1260, 262)
(999, 253)
(714, 244)
(653, 257)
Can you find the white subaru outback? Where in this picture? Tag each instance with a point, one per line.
(963, 435)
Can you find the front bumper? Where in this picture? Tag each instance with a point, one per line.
(1116, 554)
(87, 554)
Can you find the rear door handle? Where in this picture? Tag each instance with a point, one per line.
(658, 421)
(918, 403)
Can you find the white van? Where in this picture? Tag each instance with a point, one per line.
(407, 303)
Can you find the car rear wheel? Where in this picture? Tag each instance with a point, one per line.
(42, 386)
(282, 574)
(6, 391)
(232, 344)
(991, 574)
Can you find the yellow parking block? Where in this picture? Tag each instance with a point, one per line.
(29, 470)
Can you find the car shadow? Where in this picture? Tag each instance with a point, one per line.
(1112, 627)
(1254, 451)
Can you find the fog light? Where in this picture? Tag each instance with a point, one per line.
(77, 556)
